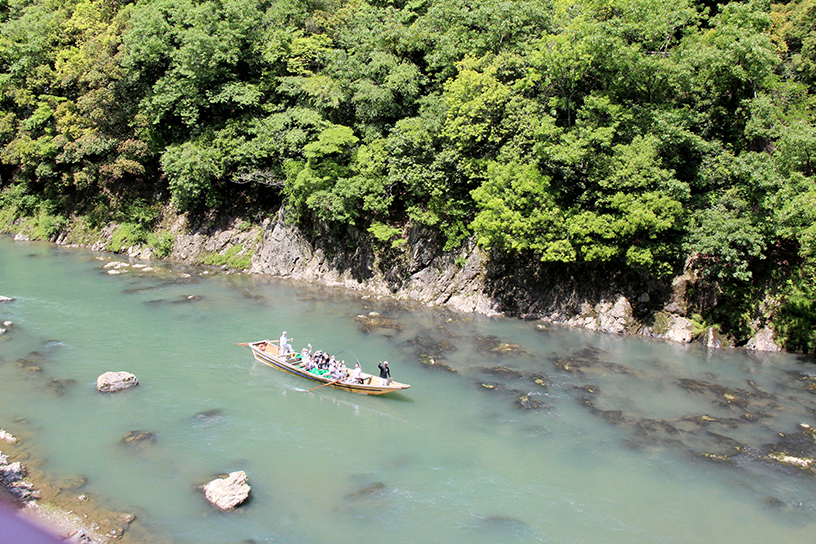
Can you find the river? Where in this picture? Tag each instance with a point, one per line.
(517, 433)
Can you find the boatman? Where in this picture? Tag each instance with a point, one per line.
(282, 343)
(385, 373)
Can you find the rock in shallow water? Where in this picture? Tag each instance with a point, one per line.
(111, 382)
(136, 437)
(227, 493)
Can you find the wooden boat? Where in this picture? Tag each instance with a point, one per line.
(266, 351)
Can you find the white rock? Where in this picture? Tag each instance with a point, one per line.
(763, 341)
(681, 330)
(227, 493)
(6, 299)
(7, 437)
(111, 382)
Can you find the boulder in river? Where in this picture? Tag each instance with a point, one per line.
(111, 382)
(6, 299)
(227, 493)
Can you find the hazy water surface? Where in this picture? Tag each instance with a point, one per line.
(570, 437)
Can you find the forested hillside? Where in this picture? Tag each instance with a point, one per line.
(641, 135)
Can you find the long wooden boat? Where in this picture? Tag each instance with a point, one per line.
(266, 351)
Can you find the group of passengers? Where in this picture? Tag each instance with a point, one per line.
(321, 363)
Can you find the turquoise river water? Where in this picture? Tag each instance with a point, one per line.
(570, 437)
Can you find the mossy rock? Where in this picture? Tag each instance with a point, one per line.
(527, 403)
(430, 362)
(138, 437)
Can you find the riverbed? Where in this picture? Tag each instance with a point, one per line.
(512, 431)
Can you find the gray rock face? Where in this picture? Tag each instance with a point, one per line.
(763, 340)
(111, 382)
(713, 338)
(605, 316)
(12, 479)
(681, 330)
(227, 493)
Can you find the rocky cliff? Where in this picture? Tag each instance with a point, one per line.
(467, 279)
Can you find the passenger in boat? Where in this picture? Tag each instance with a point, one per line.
(355, 376)
(322, 361)
(310, 364)
(385, 372)
(337, 373)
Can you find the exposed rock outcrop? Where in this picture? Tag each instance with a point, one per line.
(111, 382)
(12, 479)
(763, 340)
(468, 279)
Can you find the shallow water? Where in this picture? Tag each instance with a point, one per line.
(573, 437)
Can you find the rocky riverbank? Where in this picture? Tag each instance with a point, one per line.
(467, 279)
(60, 507)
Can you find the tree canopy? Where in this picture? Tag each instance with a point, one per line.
(629, 133)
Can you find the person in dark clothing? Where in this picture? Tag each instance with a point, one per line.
(385, 372)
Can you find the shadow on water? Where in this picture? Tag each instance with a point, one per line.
(397, 397)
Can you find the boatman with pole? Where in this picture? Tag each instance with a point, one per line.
(282, 344)
(385, 372)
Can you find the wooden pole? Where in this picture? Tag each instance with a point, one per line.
(323, 385)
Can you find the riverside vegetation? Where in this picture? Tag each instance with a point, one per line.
(629, 141)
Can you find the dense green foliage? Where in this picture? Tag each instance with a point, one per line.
(628, 133)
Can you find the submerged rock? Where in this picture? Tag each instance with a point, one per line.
(61, 386)
(136, 437)
(428, 346)
(731, 397)
(188, 298)
(583, 366)
(111, 382)
(527, 403)
(491, 386)
(540, 380)
(207, 414)
(503, 371)
(33, 362)
(492, 344)
(373, 489)
(373, 320)
(431, 362)
(229, 492)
